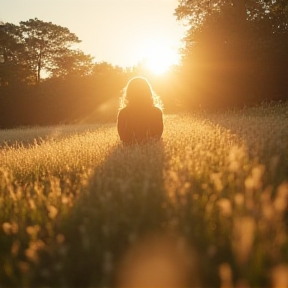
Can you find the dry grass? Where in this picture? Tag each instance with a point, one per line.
(73, 199)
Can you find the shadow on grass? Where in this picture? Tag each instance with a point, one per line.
(122, 202)
(126, 221)
(125, 212)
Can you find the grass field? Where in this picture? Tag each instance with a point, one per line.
(74, 201)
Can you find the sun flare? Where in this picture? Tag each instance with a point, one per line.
(158, 57)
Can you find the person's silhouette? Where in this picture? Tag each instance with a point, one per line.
(140, 118)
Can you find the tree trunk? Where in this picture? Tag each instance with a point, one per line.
(39, 68)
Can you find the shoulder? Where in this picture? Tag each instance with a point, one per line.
(122, 112)
(157, 110)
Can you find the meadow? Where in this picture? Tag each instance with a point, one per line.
(74, 201)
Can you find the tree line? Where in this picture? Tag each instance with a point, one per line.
(46, 80)
(235, 54)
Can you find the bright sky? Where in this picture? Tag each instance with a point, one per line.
(120, 32)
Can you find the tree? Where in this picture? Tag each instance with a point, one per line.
(45, 43)
(196, 11)
(73, 63)
(234, 50)
(104, 68)
(13, 67)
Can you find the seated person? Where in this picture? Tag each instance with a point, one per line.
(140, 119)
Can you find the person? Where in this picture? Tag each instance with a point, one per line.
(140, 117)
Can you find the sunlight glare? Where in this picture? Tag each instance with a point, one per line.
(158, 57)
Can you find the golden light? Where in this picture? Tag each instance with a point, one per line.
(159, 57)
(159, 262)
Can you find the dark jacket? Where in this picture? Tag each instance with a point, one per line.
(139, 125)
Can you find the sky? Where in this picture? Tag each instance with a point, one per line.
(120, 32)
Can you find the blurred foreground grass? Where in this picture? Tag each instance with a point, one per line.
(73, 201)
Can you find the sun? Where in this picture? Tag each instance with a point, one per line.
(158, 57)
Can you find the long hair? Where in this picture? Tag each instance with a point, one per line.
(139, 94)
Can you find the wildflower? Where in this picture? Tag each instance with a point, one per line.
(243, 237)
(7, 228)
(225, 274)
(52, 211)
(280, 276)
(225, 206)
(280, 202)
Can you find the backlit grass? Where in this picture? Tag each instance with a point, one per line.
(73, 199)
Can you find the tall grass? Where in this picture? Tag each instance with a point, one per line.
(74, 200)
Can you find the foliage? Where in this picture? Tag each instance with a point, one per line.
(42, 47)
(79, 199)
(197, 11)
(235, 55)
(44, 42)
(14, 69)
(73, 63)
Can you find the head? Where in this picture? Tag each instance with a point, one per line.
(138, 93)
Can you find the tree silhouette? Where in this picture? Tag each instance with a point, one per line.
(233, 51)
(45, 43)
(12, 67)
(72, 63)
